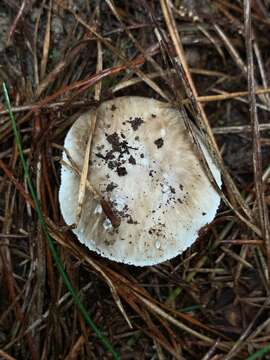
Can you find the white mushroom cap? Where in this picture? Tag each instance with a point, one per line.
(144, 165)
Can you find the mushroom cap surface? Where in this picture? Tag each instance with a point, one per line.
(143, 163)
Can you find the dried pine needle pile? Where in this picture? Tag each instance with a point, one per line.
(210, 59)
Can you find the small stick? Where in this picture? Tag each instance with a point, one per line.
(90, 137)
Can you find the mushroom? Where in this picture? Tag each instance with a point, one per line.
(145, 168)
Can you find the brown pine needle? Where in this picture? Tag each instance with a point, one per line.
(91, 133)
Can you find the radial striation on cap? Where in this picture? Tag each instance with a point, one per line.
(145, 167)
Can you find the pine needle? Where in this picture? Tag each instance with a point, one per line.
(44, 227)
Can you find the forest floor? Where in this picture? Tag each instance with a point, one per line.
(59, 300)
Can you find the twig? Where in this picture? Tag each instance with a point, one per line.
(239, 129)
(210, 98)
(231, 49)
(17, 19)
(179, 324)
(6, 356)
(257, 159)
(92, 127)
(46, 43)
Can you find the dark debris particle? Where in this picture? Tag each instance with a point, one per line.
(136, 123)
(121, 171)
(159, 143)
(203, 213)
(111, 186)
(142, 156)
(112, 165)
(137, 138)
(113, 107)
(132, 160)
(115, 158)
(113, 139)
(181, 187)
(153, 115)
(109, 155)
(172, 190)
(131, 221)
(155, 231)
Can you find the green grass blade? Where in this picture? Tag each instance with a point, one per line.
(52, 247)
(260, 353)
